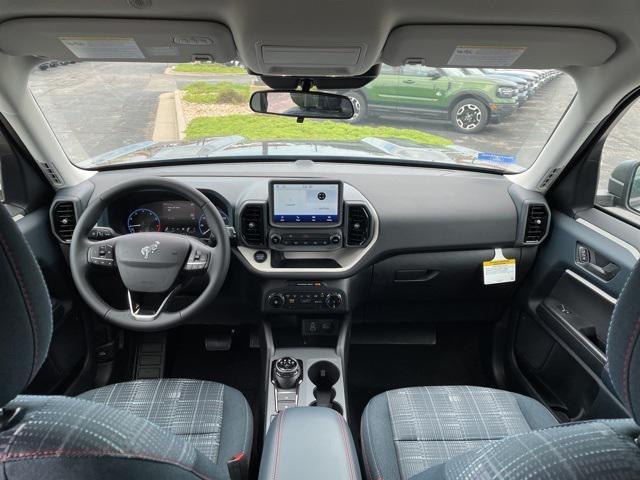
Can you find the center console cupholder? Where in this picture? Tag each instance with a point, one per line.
(324, 375)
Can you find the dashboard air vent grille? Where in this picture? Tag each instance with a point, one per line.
(64, 220)
(252, 224)
(537, 223)
(358, 225)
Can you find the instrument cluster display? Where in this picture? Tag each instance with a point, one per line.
(176, 216)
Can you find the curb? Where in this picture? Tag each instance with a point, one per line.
(165, 127)
(180, 119)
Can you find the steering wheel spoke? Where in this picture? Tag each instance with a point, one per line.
(143, 313)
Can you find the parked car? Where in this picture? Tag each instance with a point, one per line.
(523, 86)
(469, 103)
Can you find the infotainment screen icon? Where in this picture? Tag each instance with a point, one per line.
(305, 203)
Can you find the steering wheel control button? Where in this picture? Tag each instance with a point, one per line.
(260, 256)
(101, 255)
(197, 261)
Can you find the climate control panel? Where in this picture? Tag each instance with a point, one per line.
(320, 239)
(308, 300)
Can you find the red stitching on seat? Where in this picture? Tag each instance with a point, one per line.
(627, 362)
(25, 296)
(345, 440)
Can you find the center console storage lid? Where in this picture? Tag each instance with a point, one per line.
(313, 443)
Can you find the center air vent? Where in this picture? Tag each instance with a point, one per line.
(358, 225)
(252, 224)
(537, 223)
(63, 218)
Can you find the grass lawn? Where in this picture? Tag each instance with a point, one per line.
(223, 92)
(263, 127)
(208, 68)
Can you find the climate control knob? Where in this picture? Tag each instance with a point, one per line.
(276, 239)
(333, 300)
(275, 300)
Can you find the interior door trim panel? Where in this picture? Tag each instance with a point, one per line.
(630, 248)
(592, 287)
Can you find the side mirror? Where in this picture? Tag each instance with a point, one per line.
(434, 75)
(624, 185)
(296, 103)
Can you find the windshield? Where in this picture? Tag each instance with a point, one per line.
(106, 114)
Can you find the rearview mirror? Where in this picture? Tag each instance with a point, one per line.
(295, 103)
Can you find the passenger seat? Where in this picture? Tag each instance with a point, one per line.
(456, 433)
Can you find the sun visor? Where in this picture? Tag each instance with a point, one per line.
(497, 46)
(89, 39)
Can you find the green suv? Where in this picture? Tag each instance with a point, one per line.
(468, 102)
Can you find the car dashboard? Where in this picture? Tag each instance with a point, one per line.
(316, 237)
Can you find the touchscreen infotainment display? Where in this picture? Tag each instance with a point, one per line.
(306, 203)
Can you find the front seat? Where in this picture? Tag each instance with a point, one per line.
(160, 429)
(460, 432)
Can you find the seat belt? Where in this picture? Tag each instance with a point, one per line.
(238, 467)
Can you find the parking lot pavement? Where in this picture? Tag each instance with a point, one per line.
(92, 114)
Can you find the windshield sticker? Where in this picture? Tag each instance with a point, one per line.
(499, 270)
(474, 56)
(103, 47)
(497, 159)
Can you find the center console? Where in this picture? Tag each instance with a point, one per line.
(309, 443)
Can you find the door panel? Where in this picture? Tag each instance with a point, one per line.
(69, 359)
(560, 329)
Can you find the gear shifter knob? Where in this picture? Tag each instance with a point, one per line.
(286, 373)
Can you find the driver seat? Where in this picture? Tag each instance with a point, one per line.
(161, 429)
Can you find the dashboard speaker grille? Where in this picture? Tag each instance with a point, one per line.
(358, 225)
(252, 224)
(537, 223)
(64, 220)
(51, 173)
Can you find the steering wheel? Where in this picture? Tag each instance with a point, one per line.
(150, 264)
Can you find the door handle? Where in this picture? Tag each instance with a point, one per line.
(596, 264)
(408, 81)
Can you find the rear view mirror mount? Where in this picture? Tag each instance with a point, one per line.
(302, 104)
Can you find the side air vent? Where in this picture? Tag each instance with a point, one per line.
(358, 225)
(52, 174)
(537, 223)
(63, 219)
(252, 224)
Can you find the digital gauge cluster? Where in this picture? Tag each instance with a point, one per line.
(177, 216)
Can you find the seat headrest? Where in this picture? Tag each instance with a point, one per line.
(623, 345)
(25, 310)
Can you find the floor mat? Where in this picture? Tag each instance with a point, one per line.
(239, 367)
(461, 356)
